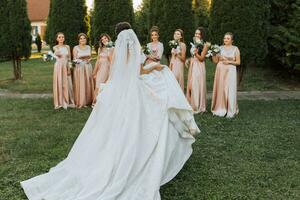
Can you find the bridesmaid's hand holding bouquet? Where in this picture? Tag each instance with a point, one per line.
(213, 50)
(174, 44)
(146, 50)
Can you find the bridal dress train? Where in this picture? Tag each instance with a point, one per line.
(137, 138)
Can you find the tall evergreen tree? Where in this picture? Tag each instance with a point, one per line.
(156, 12)
(102, 19)
(4, 27)
(67, 16)
(15, 33)
(284, 40)
(123, 11)
(142, 22)
(201, 11)
(248, 20)
(107, 13)
(170, 15)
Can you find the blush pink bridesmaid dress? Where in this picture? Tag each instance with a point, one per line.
(62, 87)
(224, 98)
(177, 65)
(196, 85)
(103, 67)
(83, 78)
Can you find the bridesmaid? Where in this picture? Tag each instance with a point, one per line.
(83, 78)
(196, 85)
(156, 47)
(62, 88)
(224, 98)
(102, 67)
(178, 58)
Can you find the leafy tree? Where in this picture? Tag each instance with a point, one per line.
(38, 42)
(69, 17)
(201, 11)
(284, 39)
(15, 37)
(248, 21)
(107, 13)
(142, 22)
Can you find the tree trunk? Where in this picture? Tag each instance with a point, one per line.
(17, 68)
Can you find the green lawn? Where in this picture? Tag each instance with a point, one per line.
(37, 78)
(253, 156)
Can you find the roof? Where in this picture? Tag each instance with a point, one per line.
(38, 10)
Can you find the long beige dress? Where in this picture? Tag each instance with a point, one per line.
(224, 98)
(103, 63)
(177, 66)
(196, 85)
(83, 79)
(62, 84)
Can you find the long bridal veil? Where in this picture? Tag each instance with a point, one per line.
(134, 141)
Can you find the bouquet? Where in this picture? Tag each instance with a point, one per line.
(197, 44)
(146, 50)
(213, 50)
(173, 44)
(76, 61)
(110, 44)
(71, 64)
(49, 56)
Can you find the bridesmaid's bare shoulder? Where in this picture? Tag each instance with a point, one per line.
(55, 47)
(235, 47)
(182, 44)
(68, 46)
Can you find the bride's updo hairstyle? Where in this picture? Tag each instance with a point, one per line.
(122, 26)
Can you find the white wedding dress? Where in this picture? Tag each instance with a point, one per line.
(137, 138)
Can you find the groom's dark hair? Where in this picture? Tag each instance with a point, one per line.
(122, 26)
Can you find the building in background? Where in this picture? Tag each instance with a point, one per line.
(38, 11)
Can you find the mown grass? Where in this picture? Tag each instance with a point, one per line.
(253, 156)
(37, 78)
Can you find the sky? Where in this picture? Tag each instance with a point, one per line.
(136, 3)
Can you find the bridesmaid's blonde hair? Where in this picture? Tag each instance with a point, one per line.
(154, 29)
(82, 34)
(182, 35)
(230, 34)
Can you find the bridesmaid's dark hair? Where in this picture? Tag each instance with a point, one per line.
(101, 45)
(57, 34)
(202, 32)
(122, 26)
(182, 35)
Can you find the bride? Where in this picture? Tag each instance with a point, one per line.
(137, 138)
